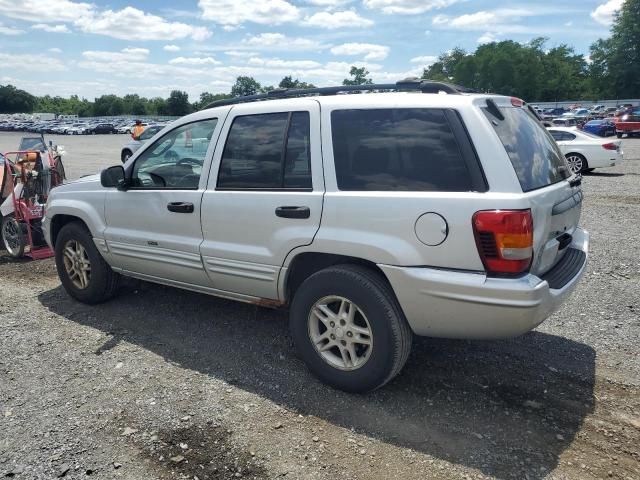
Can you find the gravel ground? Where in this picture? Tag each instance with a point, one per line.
(166, 384)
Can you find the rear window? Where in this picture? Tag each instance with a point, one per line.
(534, 154)
(406, 149)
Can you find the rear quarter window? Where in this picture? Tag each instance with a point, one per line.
(403, 149)
(535, 156)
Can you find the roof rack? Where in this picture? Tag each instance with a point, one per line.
(411, 84)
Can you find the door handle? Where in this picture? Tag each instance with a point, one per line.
(180, 207)
(293, 212)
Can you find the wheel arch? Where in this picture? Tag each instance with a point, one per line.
(59, 221)
(305, 264)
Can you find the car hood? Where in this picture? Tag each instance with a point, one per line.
(82, 183)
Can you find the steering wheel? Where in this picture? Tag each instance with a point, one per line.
(156, 179)
(189, 161)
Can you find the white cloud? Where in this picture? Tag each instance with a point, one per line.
(369, 50)
(27, 62)
(332, 20)
(124, 55)
(328, 3)
(128, 23)
(604, 13)
(194, 61)
(45, 11)
(498, 21)
(10, 30)
(51, 28)
(278, 63)
(131, 23)
(424, 60)
(278, 41)
(407, 7)
(239, 53)
(171, 48)
(488, 37)
(235, 12)
(55, 50)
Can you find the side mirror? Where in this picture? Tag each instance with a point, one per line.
(113, 177)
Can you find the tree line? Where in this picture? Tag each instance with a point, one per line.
(529, 71)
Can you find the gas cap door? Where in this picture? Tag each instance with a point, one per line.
(431, 229)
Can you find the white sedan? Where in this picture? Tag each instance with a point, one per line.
(585, 151)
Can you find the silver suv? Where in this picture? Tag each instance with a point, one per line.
(372, 216)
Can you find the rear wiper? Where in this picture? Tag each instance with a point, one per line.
(576, 181)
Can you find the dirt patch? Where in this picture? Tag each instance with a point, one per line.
(204, 452)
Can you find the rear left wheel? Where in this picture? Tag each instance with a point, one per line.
(577, 163)
(348, 328)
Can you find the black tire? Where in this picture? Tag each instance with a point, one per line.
(14, 242)
(103, 282)
(124, 156)
(619, 134)
(391, 333)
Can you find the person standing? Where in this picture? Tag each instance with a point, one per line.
(137, 130)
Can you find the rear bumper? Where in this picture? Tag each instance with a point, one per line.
(453, 304)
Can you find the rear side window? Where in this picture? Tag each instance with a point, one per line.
(562, 136)
(406, 149)
(267, 151)
(534, 154)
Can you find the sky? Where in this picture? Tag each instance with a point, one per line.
(66, 47)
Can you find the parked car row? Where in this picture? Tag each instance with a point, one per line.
(71, 126)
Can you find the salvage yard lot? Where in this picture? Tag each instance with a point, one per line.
(167, 384)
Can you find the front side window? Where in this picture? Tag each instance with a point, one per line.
(267, 151)
(175, 160)
(404, 149)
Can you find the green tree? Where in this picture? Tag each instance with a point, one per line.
(358, 77)
(615, 68)
(108, 105)
(206, 98)
(245, 86)
(14, 100)
(289, 82)
(178, 103)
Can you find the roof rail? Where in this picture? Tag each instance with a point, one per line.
(411, 84)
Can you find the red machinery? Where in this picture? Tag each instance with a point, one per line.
(26, 179)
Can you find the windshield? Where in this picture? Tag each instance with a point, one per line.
(534, 154)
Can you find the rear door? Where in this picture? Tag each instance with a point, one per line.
(543, 175)
(264, 198)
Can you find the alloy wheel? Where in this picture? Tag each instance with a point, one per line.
(77, 264)
(340, 332)
(576, 163)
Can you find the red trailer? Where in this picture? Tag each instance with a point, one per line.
(26, 179)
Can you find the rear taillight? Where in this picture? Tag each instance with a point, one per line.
(516, 102)
(504, 239)
(610, 146)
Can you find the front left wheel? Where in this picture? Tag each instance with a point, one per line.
(348, 328)
(82, 270)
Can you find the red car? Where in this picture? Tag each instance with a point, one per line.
(628, 123)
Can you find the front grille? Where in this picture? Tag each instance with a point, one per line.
(487, 244)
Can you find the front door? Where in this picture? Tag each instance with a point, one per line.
(153, 228)
(264, 196)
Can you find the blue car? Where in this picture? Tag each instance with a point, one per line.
(602, 128)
